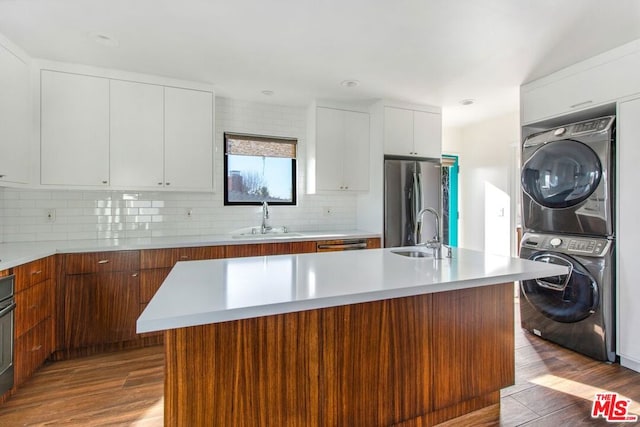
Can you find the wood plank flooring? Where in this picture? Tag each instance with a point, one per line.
(554, 387)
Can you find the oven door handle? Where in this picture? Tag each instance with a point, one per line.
(8, 309)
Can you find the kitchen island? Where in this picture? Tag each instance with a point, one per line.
(360, 338)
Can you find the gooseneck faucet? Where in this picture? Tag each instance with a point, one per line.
(265, 216)
(435, 243)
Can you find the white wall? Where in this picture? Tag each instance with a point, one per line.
(120, 214)
(486, 182)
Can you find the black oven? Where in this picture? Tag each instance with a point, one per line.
(7, 306)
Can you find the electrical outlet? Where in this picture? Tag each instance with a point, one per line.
(50, 215)
(327, 211)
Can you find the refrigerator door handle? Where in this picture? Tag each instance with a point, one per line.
(417, 206)
(418, 185)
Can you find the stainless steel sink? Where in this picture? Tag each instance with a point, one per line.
(413, 253)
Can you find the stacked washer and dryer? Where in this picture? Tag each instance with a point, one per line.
(568, 219)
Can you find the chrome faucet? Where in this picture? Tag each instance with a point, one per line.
(265, 216)
(435, 243)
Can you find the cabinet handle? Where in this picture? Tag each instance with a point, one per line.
(103, 261)
(160, 183)
(134, 275)
(104, 182)
(168, 183)
(36, 347)
(580, 104)
(36, 272)
(184, 256)
(2, 176)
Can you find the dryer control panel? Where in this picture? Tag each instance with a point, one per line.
(589, 246)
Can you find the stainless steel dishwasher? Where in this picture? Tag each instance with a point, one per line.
(341, 245)
(7, 306)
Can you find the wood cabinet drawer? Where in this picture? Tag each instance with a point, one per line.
(33, 305)
(34, 272)
(32, 349)
(162, 258)
(94, 262)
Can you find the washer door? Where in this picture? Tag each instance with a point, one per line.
(567, 298)
(561, 174)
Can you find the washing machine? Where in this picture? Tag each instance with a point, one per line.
(567, 179)
(575, 310)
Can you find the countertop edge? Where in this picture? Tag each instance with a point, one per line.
(26, 252)
(197, 319)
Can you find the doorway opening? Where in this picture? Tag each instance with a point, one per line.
(450, 214)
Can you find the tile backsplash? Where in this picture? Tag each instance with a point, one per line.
(24, 213)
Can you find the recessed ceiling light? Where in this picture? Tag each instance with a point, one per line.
(104, 39)
(467, 101)
(350, 83)
(267, 92)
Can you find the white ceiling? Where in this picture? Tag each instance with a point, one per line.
(422, 51)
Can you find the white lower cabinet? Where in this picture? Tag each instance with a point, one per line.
(628, 233)
(15, 114)
(339, 150)
(74, 129)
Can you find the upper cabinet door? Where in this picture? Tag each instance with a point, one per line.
(356, 151)
(15, 115)
(427, 134)
(412, 133)
(188, 133)
(74, 129)
(329, 149)
(137, 135)
(398, 131)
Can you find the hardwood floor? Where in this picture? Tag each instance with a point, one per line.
(553, 387)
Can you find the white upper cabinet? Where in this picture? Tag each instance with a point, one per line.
(596, 81)
(74, 129)
(338, 150)
(410, 132)
(122, 134)
(15, 114)
(188, 128)
(137, 135)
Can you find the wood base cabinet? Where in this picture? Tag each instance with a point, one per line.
(99, 299)
(34, 316)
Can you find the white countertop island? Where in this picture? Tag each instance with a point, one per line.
(358, 338)
(202, 292)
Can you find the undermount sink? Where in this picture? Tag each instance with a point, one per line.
(413, 253)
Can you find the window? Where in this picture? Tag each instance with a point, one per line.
(259, 169)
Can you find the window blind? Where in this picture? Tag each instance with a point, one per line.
(250, 145)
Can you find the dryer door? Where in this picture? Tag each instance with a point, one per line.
(568, 298)
(561, 174)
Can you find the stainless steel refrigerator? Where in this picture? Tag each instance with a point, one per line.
(409, 186)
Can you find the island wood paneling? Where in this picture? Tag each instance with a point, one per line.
(372, 364)
(478, 323)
